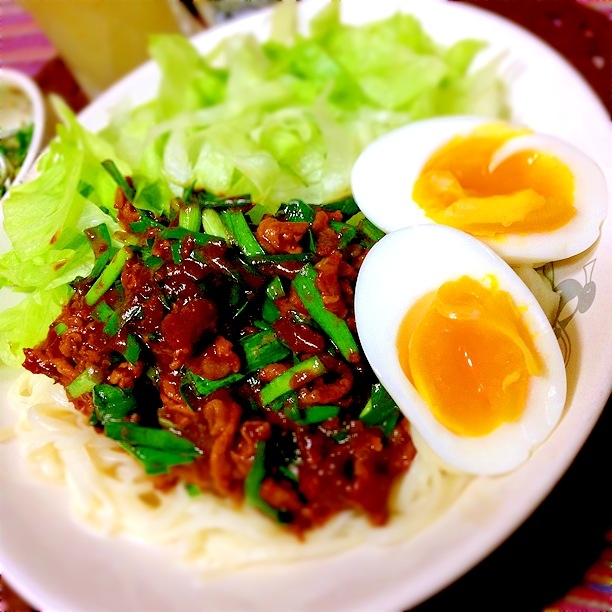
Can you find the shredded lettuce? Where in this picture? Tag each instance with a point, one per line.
(280, 120)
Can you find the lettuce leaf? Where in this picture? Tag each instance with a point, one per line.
(279, 120)
(31, 318)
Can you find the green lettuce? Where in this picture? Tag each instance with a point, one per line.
(279, 120)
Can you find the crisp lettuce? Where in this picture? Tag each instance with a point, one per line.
(277, 120)
(26, 323)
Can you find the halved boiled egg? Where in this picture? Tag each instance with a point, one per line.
(461, 345)
(533, 198)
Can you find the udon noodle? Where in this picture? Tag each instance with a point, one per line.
(109, 493)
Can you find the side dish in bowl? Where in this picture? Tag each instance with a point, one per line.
(22, 126)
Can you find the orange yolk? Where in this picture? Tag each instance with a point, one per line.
(470, 356)
(529, 191)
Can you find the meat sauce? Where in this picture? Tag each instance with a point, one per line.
(188, 305)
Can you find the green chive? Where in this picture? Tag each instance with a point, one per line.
(373, 233)
(190, 217)
(109, 275)
(111, 167)
(297, 211)
(347, 233)
(380, 410)
(83, 383)
(205, 386)
(253, 481)
(60, 328)
(262, 349)
(137, 435)
(241, 233)
(335, 327)
(212, 224)
(103, 312)
(291, 379)
(132, 349)
(275, 289)
(192, 489)
(156, 461)
(112, 403)
(348, 207)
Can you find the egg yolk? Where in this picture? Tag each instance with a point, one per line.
(529, 191)
(469, 354)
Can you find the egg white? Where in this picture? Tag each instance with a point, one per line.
(412, 262)
(383, 178)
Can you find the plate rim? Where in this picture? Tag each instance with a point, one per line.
(422, 591)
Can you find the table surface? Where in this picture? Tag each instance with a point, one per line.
(549, 562)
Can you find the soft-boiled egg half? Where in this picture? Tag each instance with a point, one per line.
(461, 345)
(533, 198)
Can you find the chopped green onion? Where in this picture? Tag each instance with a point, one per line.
(156, 449)
(311, 415)
(156, 461)
(113, 324)
(192, 489)
(85, 189)
(347, 233)
(212, 224)
(275, 289)
(373, 233)
(153, 261)
(297, 211)
(264, 258)
(111, 168)
(241, 233)
(210, 201)
(103, 312)
(83, 383)
(132, 349)
(138, 227)
(319, 414)
(205, 386)
(262, 349)
(174, 233)
(119, 319)
(109, 275)
(188, 192)
(348, 207)
(60, 328)
(175, 249)
(335, 327)
(100, 241)
(380, 410)
(137, 435)
(253, 481)
(190, 217)
(178, 233)
(270, 311)
(112, 403)
(292, 378)
(287, 472)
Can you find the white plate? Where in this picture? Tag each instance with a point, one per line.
(60, 566)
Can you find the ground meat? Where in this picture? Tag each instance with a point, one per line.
(169, 334)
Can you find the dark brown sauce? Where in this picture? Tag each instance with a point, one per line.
(189, 311)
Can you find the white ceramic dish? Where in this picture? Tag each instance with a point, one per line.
(36, 112)
(60, 566)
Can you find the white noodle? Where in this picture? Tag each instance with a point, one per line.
(110, 493)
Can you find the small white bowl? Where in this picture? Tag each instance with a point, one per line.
(29, 89)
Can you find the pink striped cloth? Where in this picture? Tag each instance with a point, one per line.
(605, 6)
(22, 45)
